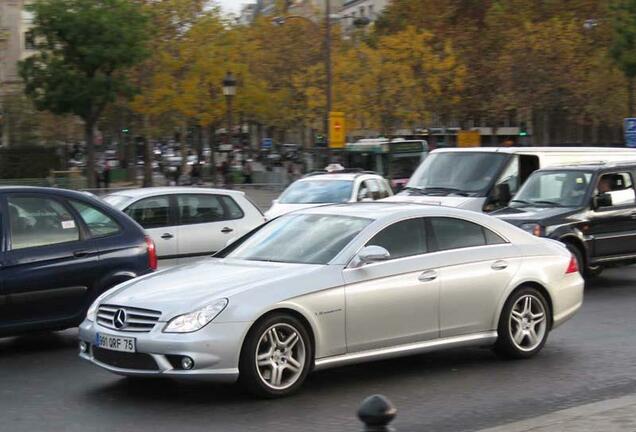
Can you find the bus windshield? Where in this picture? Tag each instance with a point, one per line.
(458, 172)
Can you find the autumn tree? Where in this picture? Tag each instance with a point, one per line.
(83, 46)
(623, 48)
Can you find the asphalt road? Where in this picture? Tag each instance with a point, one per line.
(45, 387)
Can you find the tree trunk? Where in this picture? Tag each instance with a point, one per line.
(131, 150)
(148, 156)
(89, 137)
(212, 143)
(630, 95)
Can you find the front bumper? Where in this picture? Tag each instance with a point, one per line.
(215, 350)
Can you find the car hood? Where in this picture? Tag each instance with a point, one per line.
(447, 201)
(281, 209)
(183, 289)
(520, 215)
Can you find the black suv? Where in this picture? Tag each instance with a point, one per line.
(59, 250)
(591, 208)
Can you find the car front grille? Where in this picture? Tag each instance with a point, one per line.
(136, 320)
(122, 360)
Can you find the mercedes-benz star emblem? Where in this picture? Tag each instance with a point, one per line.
(119, 319)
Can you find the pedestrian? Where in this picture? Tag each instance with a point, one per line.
(247, 171)
(106, 175)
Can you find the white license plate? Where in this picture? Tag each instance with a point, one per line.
(116, 343)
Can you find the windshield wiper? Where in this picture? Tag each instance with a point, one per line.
(550, 203)
(413, 189)
(446, 189)
(528, 203)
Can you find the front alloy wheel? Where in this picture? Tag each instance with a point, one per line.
(280, 356)
(276, 356)
(524, 324)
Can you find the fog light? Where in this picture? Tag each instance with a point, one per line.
(83, 346)
(187, 363)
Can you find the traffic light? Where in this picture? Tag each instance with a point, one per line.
(125, 131)
(523, 131)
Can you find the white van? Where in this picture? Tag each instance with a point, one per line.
(485, 179)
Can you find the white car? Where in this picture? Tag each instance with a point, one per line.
(337, 285)
(187, 224)
(330, 188)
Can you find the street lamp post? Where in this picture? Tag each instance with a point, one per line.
(229, 90)
(358, 22)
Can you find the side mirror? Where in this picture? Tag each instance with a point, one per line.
(602, 200)
(502, 194)
(372, 254)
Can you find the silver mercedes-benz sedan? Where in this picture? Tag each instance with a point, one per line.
(336, 285)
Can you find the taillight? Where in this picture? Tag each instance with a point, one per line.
(573, 267)
(152, 253)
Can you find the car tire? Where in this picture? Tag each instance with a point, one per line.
(586, 272)
(276, 357)
(524, 324)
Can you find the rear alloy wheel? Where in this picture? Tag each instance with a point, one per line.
(524, 324)
(276, 357)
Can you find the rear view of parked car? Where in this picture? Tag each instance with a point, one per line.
(188, 224)
(60, 250)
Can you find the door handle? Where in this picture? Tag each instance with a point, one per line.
(227, 230)
(167, 236)
(499, 265)
(632, 215)
(80, 253)
(427, 276)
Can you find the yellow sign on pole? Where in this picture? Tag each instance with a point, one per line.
(468, 139)
(337, 130)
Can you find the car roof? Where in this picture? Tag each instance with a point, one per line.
(47, 190)
(154, 191)
(340, 176)
(380, 209)
(532, 150)
(590, 166)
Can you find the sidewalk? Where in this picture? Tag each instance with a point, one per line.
(612, 415)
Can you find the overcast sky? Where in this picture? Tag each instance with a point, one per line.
(233, 5)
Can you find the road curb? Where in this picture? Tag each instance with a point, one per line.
(566, 415)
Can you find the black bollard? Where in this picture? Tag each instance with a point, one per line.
(376, 412)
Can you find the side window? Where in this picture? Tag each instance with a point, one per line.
(364, 192)
(39, 221)
(99, 223)
(151, 212)
(233, 210)
(619, 186)
(510, 176)
(453, 233)
(402, 239)
(492, 238)
(384, 189)
(197, 209)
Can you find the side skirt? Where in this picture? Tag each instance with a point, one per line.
(485, 338)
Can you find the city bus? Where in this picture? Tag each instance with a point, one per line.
(394, 159)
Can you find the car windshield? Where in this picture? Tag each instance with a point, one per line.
(117, 201)
(553, 188)
(318, 192)
(457, 172)
(300, 238)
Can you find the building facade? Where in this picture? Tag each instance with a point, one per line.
(248, 14)
(370, 9)
(16, 43)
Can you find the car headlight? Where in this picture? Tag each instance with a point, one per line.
(534, 229)
(196, 320)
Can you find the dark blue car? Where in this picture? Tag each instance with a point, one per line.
(59, 250)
